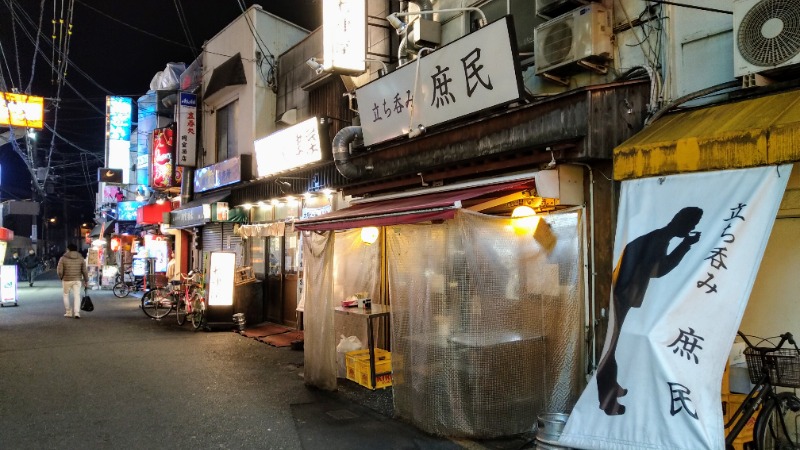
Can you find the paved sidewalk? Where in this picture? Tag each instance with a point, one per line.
(117, 379)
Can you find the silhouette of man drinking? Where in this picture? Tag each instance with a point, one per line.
(643, 258)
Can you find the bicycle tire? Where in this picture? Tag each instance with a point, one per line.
(775, 426)
(180, 312)
(156, 303)
(121, 290)
(198, 312)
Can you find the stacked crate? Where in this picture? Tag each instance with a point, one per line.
(357, 363)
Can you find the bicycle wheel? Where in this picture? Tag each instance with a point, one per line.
(156, 303)
(777, 425)
(121, 290)
(180, 312)
(198, 311)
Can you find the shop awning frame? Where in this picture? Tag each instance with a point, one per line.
(412, 209)
(206, 200)
(748, 133)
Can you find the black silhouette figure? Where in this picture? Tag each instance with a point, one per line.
(642, 259)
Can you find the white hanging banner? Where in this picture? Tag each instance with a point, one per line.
(688, 248)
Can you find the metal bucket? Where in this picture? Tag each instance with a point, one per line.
(548, 429)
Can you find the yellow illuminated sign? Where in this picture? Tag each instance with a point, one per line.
(20, 110)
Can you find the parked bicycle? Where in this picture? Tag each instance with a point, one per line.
(769, 367)
(126, 283)
(191, 302)
(159, 301)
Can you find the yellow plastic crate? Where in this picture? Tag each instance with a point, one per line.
(357, 363)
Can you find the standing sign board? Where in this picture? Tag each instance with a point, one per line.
(686, 264)
(220, 288)
(8, 285)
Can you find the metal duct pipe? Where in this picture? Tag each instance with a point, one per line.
(186, 185)
(341, 152)
(403, 50)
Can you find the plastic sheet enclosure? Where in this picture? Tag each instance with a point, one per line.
(486, 323)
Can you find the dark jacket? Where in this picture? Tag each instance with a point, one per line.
(72, 267)
(30, 261)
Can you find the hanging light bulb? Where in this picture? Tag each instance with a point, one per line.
(369, 235)
(524, 220)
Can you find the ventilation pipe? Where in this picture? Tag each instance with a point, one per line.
(341, 152)
(186, 185)
(403, 51)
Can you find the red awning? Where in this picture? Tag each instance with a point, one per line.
(414, 209)
(152, 214)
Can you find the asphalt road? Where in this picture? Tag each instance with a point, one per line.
(117, 379)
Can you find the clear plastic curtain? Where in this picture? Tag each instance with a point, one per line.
(319, 343)
(487, 322)
(356, 269)
(338, 265)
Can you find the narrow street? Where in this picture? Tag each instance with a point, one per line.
(117, 379)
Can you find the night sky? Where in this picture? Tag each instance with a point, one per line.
(116, 48)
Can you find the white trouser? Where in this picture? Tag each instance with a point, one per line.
(75, 287)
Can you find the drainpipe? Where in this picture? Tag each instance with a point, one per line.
(341, 152)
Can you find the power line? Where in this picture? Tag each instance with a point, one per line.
(133, 27)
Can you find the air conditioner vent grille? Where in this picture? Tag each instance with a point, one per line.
(558, 42)
(769, 34)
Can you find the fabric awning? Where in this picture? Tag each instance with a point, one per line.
(419, 208)
(748, 133)
(229, 73)
(207, 200)
(106, 228)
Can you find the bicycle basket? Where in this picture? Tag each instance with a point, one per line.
(156, 280)
(782, 365)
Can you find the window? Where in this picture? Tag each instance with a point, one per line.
(226, 131)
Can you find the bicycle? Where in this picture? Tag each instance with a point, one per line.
(776, 427)
(125, 283)
(159, 301)
(191, 304)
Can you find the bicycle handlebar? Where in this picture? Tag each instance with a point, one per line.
(785, 337)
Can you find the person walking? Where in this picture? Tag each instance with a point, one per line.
(31, 263)
(72, 271)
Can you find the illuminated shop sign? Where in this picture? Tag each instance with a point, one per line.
(290, 148)
(223, 173)
(344, 34)
(220, 279)
(20, 110)
(119, 112)
(164, 172)
(468, 75)
(187, 130)
(127, 210)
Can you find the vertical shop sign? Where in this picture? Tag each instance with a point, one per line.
(344, 35)
(119, 112)
(163, 158)
(685, 267)
(187, 130)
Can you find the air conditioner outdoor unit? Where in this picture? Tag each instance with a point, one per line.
(766, 36)
(574, 41)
